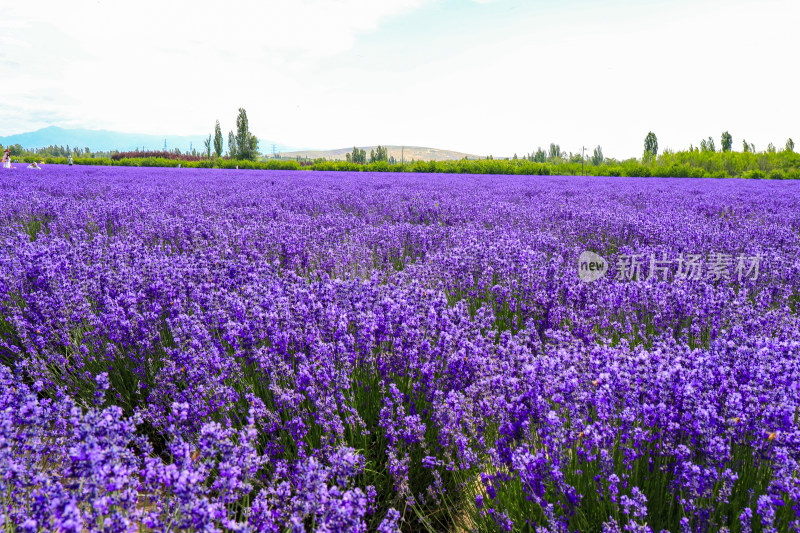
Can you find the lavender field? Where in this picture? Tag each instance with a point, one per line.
(209, 350)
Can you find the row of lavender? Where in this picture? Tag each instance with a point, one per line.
(331, 352)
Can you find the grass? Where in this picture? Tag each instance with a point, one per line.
(34, 225)
(652, 472)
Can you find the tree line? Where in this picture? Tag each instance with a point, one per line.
(709, 146)
(52, 150)
(704, 160)
(242, 145)
(695, 163)
(359, 155)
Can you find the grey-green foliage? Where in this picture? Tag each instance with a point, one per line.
(207, 146)
(246, 142)
(726, 141)
(379, 154)
(650, 146)
(707, 145)
(218, 140)
(358, 156)
(555, 152)
(540, 156)
(597, 156)
(232, 145)
(790, 145)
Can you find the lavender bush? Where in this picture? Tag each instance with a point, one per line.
(188, 350)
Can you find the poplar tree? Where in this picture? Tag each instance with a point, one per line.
(650, 147)
(597, 156)
(218, 140)
(246, 142)
(232, 153)
(727, 142)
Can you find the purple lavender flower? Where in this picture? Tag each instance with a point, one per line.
(203, 352)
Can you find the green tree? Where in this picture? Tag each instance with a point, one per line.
(555, 152)
(358, 156)
(207, 145)
(597, 156)
(540, 156)
(232, 153)
(770, 148)
(218, 140)
(650, 147)
(246, 142)
(745, 146)
(726, 141)
(379, 154)
(711, 146)
(790, 145)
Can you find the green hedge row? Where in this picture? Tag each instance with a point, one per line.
(162, 162)
(631, 168)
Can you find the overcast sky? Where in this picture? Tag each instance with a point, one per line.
(484, 77)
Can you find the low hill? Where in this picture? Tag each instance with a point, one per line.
(417, 153)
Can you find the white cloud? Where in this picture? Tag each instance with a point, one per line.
(147, 64)
(314, 27)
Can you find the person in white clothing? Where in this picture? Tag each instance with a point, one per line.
(35, 166)
(7, 158)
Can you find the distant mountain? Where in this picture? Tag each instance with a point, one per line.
(417, 153)
(104, 141)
